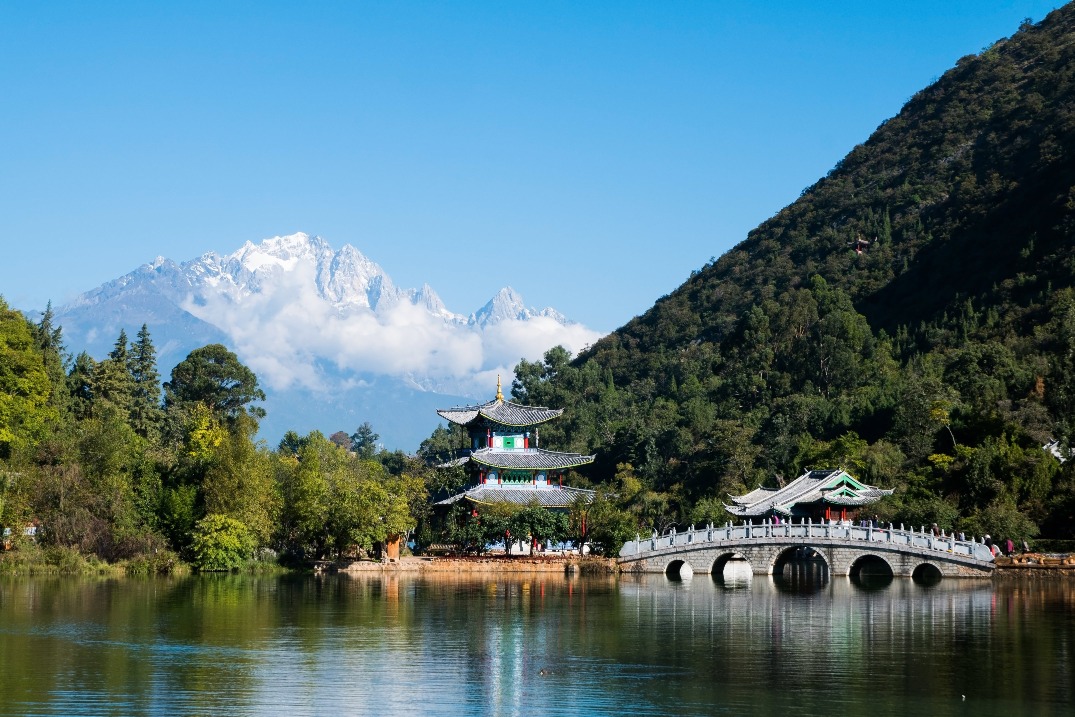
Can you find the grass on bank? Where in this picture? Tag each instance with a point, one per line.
(34, 559)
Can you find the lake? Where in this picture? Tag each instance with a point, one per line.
(540, 645)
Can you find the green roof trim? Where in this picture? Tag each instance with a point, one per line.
(843, 478)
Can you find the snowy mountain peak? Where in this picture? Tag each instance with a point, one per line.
(508, 304)
(281, 252)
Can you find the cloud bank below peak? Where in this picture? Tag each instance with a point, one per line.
(304, 316)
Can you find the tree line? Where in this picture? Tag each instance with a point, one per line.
(109, 461)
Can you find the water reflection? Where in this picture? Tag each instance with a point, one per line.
(871, 573)
(541, 645)
(800, 570)
(735, 574)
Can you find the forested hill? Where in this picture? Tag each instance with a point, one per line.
(910, 317)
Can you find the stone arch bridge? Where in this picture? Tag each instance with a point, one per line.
(844, 549)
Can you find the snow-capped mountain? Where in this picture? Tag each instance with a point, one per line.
(508, 305)
(323, 329)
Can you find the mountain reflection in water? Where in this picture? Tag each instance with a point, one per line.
(541, 645)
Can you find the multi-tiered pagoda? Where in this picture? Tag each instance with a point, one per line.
(505, 462)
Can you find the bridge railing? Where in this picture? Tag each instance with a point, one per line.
(767, 532)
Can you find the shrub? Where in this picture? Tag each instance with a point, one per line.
(221, 543)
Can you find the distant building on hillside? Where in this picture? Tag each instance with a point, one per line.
(505, 463)
(817, 495)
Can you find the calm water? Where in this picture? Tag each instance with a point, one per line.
(339, 645)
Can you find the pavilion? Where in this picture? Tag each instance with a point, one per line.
(817, 494)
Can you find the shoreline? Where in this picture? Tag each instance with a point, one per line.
(483, 565)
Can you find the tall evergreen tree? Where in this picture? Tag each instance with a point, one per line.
(145, 412)
(80, 385)
(112, 382)
(50, 341)
(364, 441)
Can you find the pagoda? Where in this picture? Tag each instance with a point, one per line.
(505, 463)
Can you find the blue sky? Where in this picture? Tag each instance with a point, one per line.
(591, 155)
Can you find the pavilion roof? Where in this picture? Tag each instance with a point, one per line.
(545, 496)
(535, 458)
(503, 412)
(836, 487)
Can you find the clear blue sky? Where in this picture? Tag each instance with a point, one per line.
(589, 154)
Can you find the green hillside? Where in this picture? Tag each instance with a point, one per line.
(911, 317)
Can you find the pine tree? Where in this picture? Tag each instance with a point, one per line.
(80, 385)
(145, 411)
(50, 341)
(112, 382)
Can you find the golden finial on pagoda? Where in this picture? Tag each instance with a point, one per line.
(499, 393)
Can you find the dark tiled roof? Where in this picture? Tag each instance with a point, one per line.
(505, 413)
(528, 458)
(835, 487)
(545, 496)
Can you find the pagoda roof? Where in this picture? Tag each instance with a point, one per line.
(503, 412)
(835, 487)
(545, 496)
(529, 458)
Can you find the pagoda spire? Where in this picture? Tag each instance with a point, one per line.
(499, 393)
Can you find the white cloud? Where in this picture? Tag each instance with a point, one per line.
(286, 329)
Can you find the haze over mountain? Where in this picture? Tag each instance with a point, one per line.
(333, 340)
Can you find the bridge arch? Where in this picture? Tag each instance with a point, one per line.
(679, 569)
(871, 570)
(723, 559)
(927, 573)
(801, 555)
(800, 568)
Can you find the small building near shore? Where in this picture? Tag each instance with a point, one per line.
(818, 495)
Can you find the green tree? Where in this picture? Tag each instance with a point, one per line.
(50, 341)
(145, 411)
(112, 382)
(221, 543)
(239, 482)
(25, 389)
(364, 441)
(80, 385)
(214, 377)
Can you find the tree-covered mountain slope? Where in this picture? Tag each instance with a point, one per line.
(910, 317)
